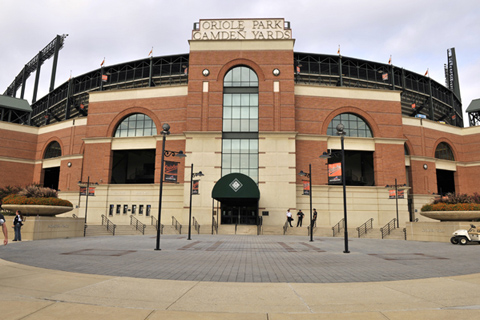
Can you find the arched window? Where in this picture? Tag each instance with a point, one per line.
(444, 152)
(240, 77)
(240, 122)
(353, 124)
(405, 147)
(53, 150)
(136, 125)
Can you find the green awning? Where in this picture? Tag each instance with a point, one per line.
(474, 106)
(15, 103)
(235, 186)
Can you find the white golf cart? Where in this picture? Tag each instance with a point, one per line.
(463, 236)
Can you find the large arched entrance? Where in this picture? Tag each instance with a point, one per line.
(238, 195)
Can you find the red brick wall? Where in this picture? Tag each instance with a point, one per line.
(16, 146)
(205, 110)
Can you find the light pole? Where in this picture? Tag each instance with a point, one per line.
(165, 153)
(86, 206)
(309, 176)
(396, 198)
(192, 175)
(342, 133)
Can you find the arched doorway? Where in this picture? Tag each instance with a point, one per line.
(238, 195)
(445, 177)
(51, 173)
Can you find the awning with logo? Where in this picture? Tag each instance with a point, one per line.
(235, 186)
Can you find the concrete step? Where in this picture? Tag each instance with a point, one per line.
(97, 230)
(294, 231)
(126, 230)
(272, 230)
(396, 234)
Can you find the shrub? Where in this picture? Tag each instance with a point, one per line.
(7, 190)
(455, 202)
(18, 199)
(35, 191)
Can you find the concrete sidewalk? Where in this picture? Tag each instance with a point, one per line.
(29, 292)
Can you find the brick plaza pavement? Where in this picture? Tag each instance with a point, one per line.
(241, 258)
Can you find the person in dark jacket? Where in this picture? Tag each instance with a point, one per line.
(17, 225)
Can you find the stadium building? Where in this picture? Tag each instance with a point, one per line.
(251, 114)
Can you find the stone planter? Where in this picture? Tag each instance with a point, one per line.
(452, 215)
(37, 210)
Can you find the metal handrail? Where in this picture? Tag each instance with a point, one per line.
(109, 224)
(385, 230)
(153, 221)
(196, 225)
(363, 229)
(177, 225)
(138, 225)
(338, 227)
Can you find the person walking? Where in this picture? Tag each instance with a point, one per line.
(314, 218)
(299, 218)
(17, 225)
(4, 228)
(289, 217)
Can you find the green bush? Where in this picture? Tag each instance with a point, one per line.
(18, 199)
(454, 202)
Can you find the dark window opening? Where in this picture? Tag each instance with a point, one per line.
(51, 177)
(359, 169)
(445, 182)
(133, 166)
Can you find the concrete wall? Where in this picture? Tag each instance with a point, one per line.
(439, 231)
(38, 228)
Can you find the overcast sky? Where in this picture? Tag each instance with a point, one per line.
(416, 33)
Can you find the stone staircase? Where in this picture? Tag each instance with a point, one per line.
(96, 231)
(100, 230)
(396, 234)
(127, 230)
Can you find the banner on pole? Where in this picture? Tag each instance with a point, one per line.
(171, 171)
(195, 186)
(391, 194)
(83, 191)
(335, 172)
(306, 187)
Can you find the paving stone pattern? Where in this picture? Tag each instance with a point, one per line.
(230, 258)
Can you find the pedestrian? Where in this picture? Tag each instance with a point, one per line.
(17, 225)
(299, 218)
(4, 229)
(314, 219)
(289, 217)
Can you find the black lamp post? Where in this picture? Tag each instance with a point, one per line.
(342, 133)
(396, 198)
(165, 153)
(192, 175)
(309, 176)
